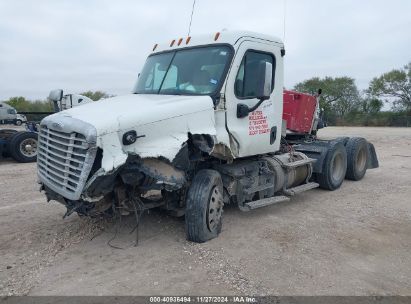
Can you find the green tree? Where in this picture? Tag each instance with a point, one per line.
(96, 95)
(22, 104)
(19, 103)
(339, 96)
(371, 105)
(394, 86)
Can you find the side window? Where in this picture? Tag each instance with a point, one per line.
(11, 111)
(246, 81)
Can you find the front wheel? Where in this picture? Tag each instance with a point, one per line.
(204, 207)
(18, 122)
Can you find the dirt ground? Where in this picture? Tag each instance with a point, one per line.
(353, 241)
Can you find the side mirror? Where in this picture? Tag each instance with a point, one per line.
(265, 78)
(264, 87)
(56, 95)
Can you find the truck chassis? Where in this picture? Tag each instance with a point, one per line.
(198, 185)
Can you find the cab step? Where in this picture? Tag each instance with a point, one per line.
(298, 163)
(267, 201)
(300, 188)
(258, 188)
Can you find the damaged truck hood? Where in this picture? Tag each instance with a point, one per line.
(162, 123)
(122, 112)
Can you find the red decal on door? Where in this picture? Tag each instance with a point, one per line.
(257, 123)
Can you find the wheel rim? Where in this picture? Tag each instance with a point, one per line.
(338, 167)
(361, 160)
(28, 147)
(215, 209)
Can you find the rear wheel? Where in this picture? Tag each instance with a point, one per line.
(23, 147)
(357, 158)
(334, 167)
(204, 207)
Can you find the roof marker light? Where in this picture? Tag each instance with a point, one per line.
(154, 47)
(188, 39)
(172, 42)
(179, 41)
(216, 36)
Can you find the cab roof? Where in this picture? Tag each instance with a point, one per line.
(227, 37)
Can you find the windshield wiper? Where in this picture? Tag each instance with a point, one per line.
(165, 75)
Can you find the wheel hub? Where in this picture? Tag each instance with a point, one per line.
(215, 209)
(28, 147)
(337, 167)
(361, 159)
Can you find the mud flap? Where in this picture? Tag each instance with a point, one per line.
(372, 157)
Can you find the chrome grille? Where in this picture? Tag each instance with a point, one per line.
(64, 160)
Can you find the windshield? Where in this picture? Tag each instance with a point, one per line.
(197, 71)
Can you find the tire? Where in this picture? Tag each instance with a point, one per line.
(204, 207)
(18, 122)
(357, 158)
(7, 133)
(334, 167)
(23, 147)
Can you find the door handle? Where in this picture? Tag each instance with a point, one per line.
(243, 109)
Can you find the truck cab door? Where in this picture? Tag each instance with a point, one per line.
(260, 131)
(11, 114)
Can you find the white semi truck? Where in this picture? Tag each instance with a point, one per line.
(9, 115)
(202, 128)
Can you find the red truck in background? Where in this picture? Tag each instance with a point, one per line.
(301, 112)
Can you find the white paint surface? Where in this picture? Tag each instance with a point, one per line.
(164, 120)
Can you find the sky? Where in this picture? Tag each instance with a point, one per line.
(80, 45)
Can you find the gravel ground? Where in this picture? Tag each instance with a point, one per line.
(353, 241)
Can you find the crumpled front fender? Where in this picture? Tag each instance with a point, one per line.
(163, 138)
